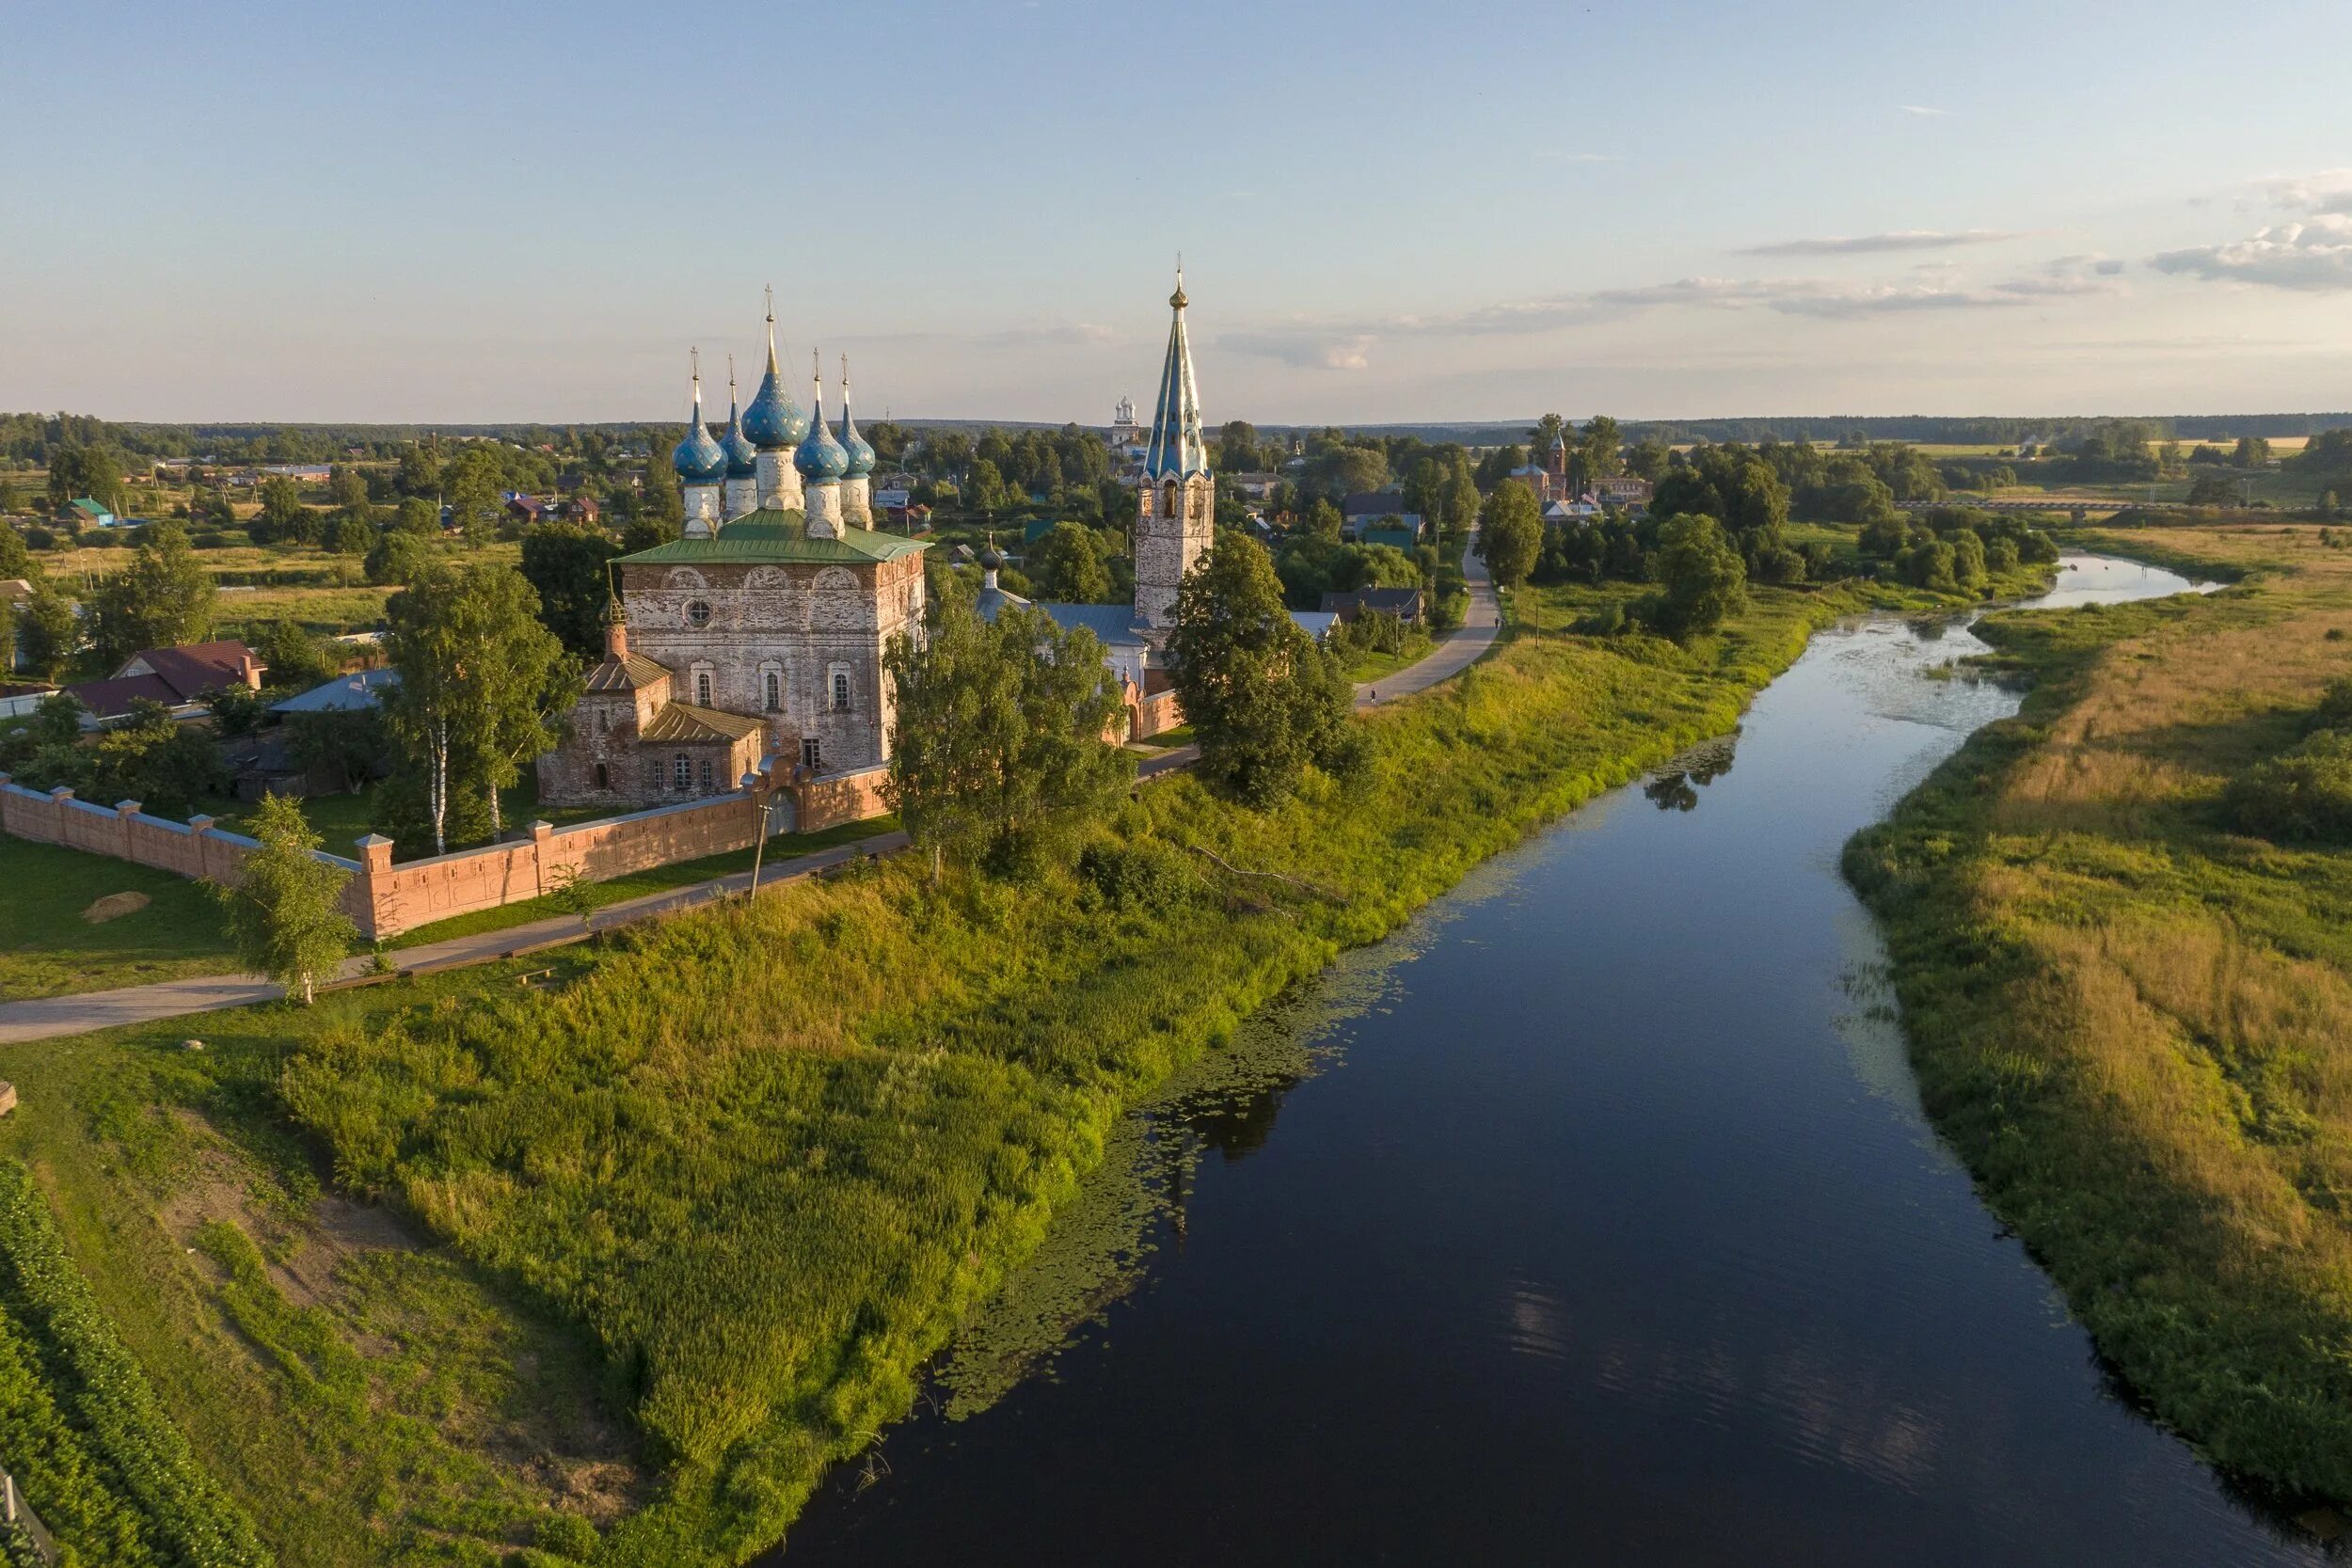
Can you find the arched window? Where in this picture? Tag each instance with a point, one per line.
(840, 690)
(772, 680)
(812, 754)
(681, 777)
(706, 775)
(701, 688)
(604, 781)
(604, 724)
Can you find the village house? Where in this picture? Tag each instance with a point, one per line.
(1374, 508)
(180, 679)
(1402, 603)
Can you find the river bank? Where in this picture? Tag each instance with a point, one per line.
(2133, 1020)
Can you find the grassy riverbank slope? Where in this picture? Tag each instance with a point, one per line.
(663, 1229)
(2134, 1020)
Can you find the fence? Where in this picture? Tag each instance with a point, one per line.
(385, 899)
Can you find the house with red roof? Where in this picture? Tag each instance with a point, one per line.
(180, 679)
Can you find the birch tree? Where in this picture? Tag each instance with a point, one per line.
(479, 675)
(285, 913)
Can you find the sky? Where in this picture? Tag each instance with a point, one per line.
(1388, 212)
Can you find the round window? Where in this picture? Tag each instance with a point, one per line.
(698, 613)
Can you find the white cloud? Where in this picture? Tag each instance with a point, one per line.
(1577, 157)
(2328, 191)
(1304, 348)
(1866, 245)
(2311, 258)
(1924, 111)
(1806, 296)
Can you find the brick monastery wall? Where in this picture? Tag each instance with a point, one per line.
(385, 899)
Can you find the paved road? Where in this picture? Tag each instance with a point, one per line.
(104, 1009)
(1463, 645)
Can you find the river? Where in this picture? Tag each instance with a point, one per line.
(1590, 1219)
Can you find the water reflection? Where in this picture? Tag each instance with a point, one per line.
(1675, 786)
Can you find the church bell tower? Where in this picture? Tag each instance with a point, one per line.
(1176, 501)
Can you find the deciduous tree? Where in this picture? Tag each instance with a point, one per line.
(997, 755)
(479, 676)
(285, 911)
(1067, 565)
(47, 633)
(165, 598)
(1702, 578)
(565, 563)
(1264, 700)
(1510, 533)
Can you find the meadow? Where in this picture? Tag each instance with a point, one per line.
(2133, 1017)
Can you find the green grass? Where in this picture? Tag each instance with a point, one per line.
(2134, 1021)
(1373, 666)
(659, 878)
(363, 1396)
(48, 949)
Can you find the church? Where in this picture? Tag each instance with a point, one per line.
(1175, 524)
(759, 633)
(754, 641)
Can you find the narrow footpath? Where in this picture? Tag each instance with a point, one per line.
(48, 1017)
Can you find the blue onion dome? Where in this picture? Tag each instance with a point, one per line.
(699, 460)
(743, 457)
(773, 422)
(819, 456)
(861, 450)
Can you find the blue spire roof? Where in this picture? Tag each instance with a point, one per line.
(819, 456)
(699, 460)
(743, 457)
(773, 422)
(1177, 449)
(861, 450)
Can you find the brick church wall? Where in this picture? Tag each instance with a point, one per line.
(385, 899)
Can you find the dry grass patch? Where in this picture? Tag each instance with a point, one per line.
(2134, 1023)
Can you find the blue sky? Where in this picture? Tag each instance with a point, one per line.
(447, 212)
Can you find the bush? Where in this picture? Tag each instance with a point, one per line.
(2335, 707)
(568, 1536)
(1608, 621)
(2303, 796)
(1148, 874)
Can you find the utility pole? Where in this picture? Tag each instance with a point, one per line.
(759, 849)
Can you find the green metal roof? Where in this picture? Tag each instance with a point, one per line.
(770, 535)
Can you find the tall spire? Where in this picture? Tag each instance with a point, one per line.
(771, 329)
(694, 360)
(1177, 447)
